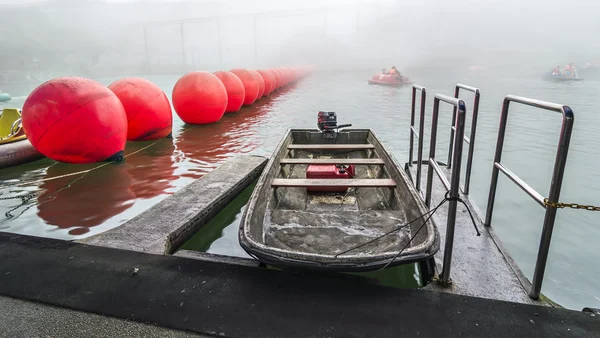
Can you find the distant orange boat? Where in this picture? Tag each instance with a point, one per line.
(389, 80)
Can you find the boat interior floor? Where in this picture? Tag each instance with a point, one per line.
(333, 222)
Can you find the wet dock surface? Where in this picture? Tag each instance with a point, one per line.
(233, 300)
(479, 267)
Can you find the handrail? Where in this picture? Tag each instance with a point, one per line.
(555, 187)
(471, 139)
(414, 133)
(454, 177)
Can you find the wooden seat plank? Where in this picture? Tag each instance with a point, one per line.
(374, 161)
(300, 182)
(331, 146)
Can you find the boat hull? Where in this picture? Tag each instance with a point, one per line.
(389, 80)
(18, 152)
(562, 79)
(389, 84)
(4, 97)
(285, 229)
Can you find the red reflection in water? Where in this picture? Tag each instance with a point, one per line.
(83, 202)
(152, 169)
(210, 145)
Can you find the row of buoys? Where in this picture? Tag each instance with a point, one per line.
(78, 120)
(202, 97)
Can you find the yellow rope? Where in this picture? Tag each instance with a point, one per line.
(79, 172)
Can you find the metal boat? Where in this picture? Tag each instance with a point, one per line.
(389, 80)
(298, 222)
(15, 148)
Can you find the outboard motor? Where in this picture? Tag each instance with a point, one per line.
(327, 124)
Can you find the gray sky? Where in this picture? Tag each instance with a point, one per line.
(356, 33)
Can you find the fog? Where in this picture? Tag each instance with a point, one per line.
(102, 37)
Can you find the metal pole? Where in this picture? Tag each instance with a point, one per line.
(553, 196)
(454, 191)
(434, 122)
(255, 41)
(472, 142)
(452, 131)
(146, 46)
(497, 158)
(357, 17)
(219, 40)
(182, 45)
(421, 130)
(412, 125)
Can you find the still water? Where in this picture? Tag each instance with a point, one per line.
(82, 205)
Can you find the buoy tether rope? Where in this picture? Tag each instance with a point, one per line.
(118, 157)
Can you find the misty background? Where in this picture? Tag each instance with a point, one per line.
(106, 37)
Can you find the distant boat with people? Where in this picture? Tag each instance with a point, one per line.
(568, 73)
(390, 77)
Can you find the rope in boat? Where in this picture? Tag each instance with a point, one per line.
(430, 213)
(26, 198)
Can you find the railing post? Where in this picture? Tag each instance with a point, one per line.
(555, 186)
(472, 142)
(497, 158)
(412, 126)
(452, 131)
(420, 133)
(434, 123)
(454, 190)
(553, 196)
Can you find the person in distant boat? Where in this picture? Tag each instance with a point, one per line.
(384, 71)
(573, 70)
(569, 70)
(556, 71)
(395, 72)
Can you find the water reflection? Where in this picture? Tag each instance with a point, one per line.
(152, 169)
(207, 146)
(79, 203)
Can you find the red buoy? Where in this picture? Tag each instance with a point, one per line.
(75, 120)
(235, 90)
(199, 98)
(261, 83)
(278, 78)
(275, 79)
(288, 75)
(250, 85)
(284, 78)
(269, 79)
(148, 110)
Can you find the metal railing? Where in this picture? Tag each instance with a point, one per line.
(555, 186)
(453, 186)
(469, 140)
(414, 133)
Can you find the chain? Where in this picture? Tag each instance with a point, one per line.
(561, 205)
(24, 200)
(23, 197)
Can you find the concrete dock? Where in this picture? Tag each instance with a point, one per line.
(21, 318)
(168, 224)
(230, 300)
